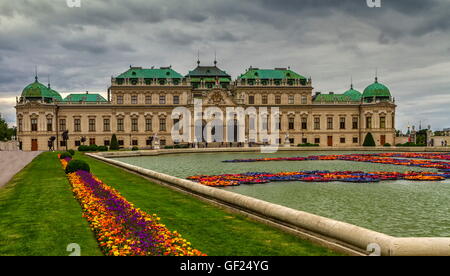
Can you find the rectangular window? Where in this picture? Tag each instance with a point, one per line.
(148, 99)
(92, 125)
(382, 122)
(355, 140)
(77, 125)
(304, 100)
(291, 123)
(264, 99)
(329, 123)
(119, 99)
(342, 123)
(342, 140)
(317, 141)
(20, 125)
(62, 124)
(176, 124)
(121, 143)
(355, 123)
(304, 140)
(316, 123)
(120, 124)
(162, 99)
(91, 141)
(77, 143)
(304, 123)
(148, 124)
(49, 124)
(368, 122)
(106, 143)
(62, 143)
(134, 99)
(162, 142)
(251, 99)
(277, 99)
(134, 143)
(291, 99)
(176, 99)
(106, 125)
(162, 124)
(265, 122)
(134, 124)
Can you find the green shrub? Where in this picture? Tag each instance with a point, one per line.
(93, 148)
(102, 148)
(72, 152)
(369, 141)
(387, 145)
(83, 148)
(65, 155)
(114, 145)
(134, 148)
(77, 165)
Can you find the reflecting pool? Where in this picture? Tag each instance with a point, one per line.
(399, 208)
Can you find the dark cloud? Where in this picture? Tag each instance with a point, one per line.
(329, 40)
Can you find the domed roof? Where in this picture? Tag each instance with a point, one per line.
(38, 90)
(353, 94)
(376, 90)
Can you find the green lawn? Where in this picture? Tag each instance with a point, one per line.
(38, 214)
(210, 229)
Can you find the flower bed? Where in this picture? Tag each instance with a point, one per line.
(427, 160)
(120, 228)
(313, 176)
(382, 158)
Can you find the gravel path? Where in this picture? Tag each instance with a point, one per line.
(11, 162)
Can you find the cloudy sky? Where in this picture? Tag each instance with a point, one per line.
(329, 40)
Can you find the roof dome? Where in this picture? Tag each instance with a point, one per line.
(38, 90)
(376, 90)
(353, 94)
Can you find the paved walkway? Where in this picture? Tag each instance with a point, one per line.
(11, 162)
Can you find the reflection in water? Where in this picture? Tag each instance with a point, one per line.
(398, 208)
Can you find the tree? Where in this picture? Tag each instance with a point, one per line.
(114, 145)
(5, 132)
(369, 141)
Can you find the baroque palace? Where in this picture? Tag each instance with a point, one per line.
(140, 101)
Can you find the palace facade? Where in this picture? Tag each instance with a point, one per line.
(140, 102)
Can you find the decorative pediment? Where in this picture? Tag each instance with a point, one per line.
(219, 97)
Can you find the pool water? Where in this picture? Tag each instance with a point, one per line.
(399, 208)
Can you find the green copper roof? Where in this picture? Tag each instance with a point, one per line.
(210, 79)
(353, 94)
(38, 90)
(84, 98)
(271, 74)
(162, 73)
(207, 71)
(376, 90)
(331, 98)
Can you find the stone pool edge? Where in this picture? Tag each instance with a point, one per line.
(336, 235)
(114, 154)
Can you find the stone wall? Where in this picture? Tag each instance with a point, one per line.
(9, 146)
